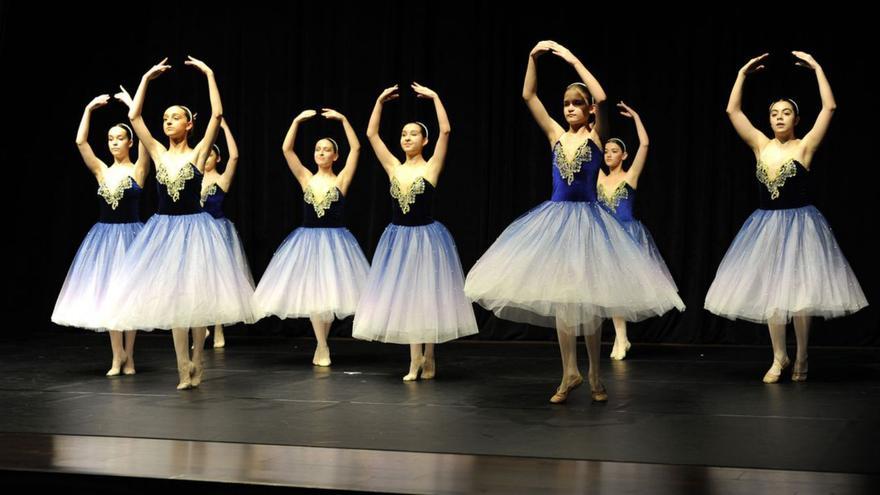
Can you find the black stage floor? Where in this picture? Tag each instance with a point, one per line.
(678, 419)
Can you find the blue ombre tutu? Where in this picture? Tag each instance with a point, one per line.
(319, 270)
(784, 261)
(212, 203)
(85, 291)
(414, 293)
(568, 263)
(619, 203)
(180, 272)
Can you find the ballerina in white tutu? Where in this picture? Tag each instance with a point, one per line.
(616, 190)
(215, 187)
(568, 263)
(784, 263)
(414, 293)
(82, 301)
(179, 272)
(319, 271)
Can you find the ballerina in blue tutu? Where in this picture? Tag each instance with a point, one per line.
(568, 263)
(215, 187)
(82, 301)
(784, 263)
(179, 273)
(414, 293)
(319, 270)
(616, 190)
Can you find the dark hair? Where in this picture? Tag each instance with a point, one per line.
(423, 127)
(189, 115)
(790, 101)
(127, 130)
(332, 142)
(582, 89)
(605, 168)
(619, 143)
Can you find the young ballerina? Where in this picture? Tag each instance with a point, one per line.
(82, 301)
(414, 293)
(179, 273)
(568, 263)
(215, 186)
(616, 191)
(784, 263)
(319, 270)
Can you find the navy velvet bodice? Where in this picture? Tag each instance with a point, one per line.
(212, 200)
(412, 206)
(619, 201)
(120, 204)
(329, 212)
(575, 180)
(789, 189)
(181, 194)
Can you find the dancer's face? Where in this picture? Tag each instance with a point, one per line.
(175, 122)
(212, 161)
(412, 139)
(575, 107)
(118, 142)
(782, 117)
(324, 153)
(614, 155)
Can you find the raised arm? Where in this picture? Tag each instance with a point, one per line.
(154, 148)
(752, 136)
(203, 148)
(347, 173)
(232, 159)
(142, 165)
(301, 173)
(93, 163)
(437, 160)
(814, 138)
(551, 128)
(638, 163)
(386, 159)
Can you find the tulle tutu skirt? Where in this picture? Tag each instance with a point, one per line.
(569, 264)
(784, 263)
(234, 242)
(315, 272)
(180, 273)
(642, 236)
(414, 292)
(87, 285)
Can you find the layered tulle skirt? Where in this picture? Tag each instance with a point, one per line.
(316, 272)
(86, 288)
(414, 292)
(784, 263)
(180, 273)
(568, 265)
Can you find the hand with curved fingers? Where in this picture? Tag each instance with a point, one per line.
(805, 60)
(423, 91)
(754, 65)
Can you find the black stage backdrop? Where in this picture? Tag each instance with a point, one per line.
(274, 60)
